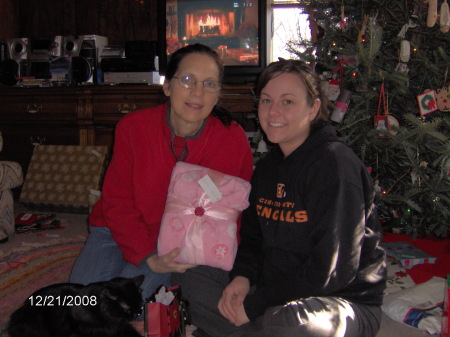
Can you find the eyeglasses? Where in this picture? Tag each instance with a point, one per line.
(189, 82)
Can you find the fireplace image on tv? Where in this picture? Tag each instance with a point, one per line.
(229, 27)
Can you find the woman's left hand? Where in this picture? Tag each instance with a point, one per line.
(165, 263)
(241, 316)
(231, 304)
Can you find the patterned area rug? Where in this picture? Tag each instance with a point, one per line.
(28, 269)
(23, 272)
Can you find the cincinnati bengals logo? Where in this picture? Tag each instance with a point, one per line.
(281, 193)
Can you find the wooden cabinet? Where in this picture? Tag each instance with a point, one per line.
(34, 116)
(87, 115)
(109, 104)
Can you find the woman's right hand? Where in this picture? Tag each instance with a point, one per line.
(231, 304)
(165, 263)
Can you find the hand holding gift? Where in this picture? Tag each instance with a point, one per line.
(166, 264)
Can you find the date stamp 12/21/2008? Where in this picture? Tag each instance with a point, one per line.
(62, 301)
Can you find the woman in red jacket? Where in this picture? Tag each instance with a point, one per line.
(190, 127)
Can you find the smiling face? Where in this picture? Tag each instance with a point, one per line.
(189, 107)
(284, 112)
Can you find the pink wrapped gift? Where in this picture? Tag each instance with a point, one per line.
(201, 214)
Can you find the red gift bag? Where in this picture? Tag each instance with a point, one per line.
(163, 320)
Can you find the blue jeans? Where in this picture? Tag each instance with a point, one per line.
(101, 260)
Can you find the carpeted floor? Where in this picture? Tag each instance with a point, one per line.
(23, 273)
(31, 261)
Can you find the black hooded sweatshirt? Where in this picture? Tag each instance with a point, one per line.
(311, 228)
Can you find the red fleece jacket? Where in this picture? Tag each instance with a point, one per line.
(136, 182)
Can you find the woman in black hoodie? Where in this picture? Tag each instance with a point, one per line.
(309, 261)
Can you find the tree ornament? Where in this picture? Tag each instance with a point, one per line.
(427, 102)
(383, 121)
(386, 122)
(405, 51)
(333, 90)
(443, 99)
(405, 47)
(342, 22)
(394, 125)
(402, 68)
(412, 23)
(414, 177)
(377, 187)
(432, 12)
(317, 31)
(363, 28)
(341, 105)
(444, 17)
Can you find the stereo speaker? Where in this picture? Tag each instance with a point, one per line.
(91, 49)
(82, 70)
(71, 45)
(17, 49)
(85, 51)
(56, 44)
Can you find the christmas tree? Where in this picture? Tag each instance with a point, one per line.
(384, 66)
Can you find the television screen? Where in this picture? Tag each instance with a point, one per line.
(232, 28)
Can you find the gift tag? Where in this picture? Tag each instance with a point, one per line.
(210, 188)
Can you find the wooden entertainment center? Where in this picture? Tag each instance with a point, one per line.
(87, 115)
(84, 115)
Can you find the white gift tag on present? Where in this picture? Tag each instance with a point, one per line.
(210, 188)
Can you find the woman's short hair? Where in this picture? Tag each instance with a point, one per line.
(308, 77)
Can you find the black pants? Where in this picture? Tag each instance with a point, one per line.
(310, 317)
